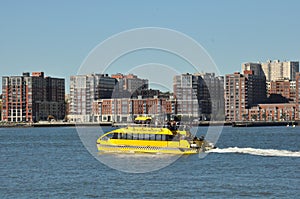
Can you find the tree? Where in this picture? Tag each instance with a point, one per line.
(253, 117)
(283, 116)
(264, 115)
(245, 116)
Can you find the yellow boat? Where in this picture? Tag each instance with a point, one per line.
(145, 139)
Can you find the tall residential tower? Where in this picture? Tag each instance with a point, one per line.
(199, 95)
(84, 89)
(32, 98)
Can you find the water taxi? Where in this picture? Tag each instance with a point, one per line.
(147, 139)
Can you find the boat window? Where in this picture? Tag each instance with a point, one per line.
(123, 135)
(163, 137)
(169, 137)
(108, 136)
(104, 138)
(129, 136)
(135, 136)
(152, 137)
(147, 137)
(119, 135)
(115, 136)
(141, 136)
(158, 137)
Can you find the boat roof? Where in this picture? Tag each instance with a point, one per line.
(142, 118)
(144, 130)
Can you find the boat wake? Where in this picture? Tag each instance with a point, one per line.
(259, 152)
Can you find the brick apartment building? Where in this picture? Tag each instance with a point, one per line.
(242, 91)
(126, 109)
(86, 90)
(272, 112)
(1, 107)
(297, 82)
(32, 98)
(284, 88)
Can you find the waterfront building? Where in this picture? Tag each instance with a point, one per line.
(84, 89)
(1, 107)
(297, 82)
(126, 109)
(212, 88)
(242, 91)
(32, 98)
(199, 95)
(273, 112)
(235, 96)
(186, 89)
(257, 90)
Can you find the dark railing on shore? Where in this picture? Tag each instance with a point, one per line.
(264, 123)
(52, 124)
(113, 124)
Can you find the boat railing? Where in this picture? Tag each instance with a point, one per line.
(180, 127)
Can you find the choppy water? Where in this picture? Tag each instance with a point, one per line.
(53, 163)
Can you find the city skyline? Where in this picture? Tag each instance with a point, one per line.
(56, 37)
(97, 97)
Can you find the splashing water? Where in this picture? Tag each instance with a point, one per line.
(259, 152)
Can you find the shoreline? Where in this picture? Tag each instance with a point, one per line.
(111, 124)
(58, 124)
(263, 123)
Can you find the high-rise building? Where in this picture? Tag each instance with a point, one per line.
(257, 89)
(212, 90)
(243, 91)
(32, 98)
(255, 67)
(84, 89)
(235, 96)
(275, 70)
(0, 107)
(257, 83)
(186, 89)
(297, 82)
(130, 83)
(199, 95)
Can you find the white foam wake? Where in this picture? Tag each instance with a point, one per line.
(261, 152)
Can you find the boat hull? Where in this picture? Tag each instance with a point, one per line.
(147, 149)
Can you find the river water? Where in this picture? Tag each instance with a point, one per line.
(250, 162)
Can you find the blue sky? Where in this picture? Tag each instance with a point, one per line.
(56, 36)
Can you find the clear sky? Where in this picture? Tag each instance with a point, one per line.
(56, 36)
